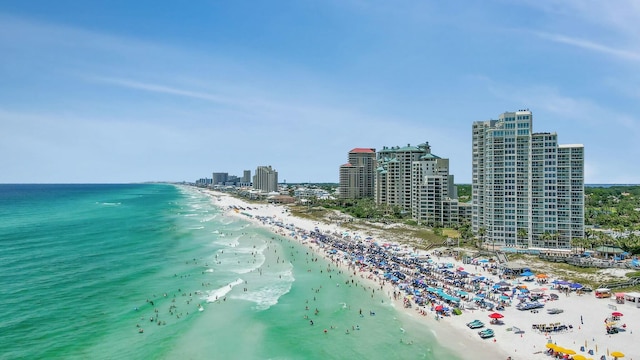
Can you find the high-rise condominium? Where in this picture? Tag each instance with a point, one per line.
(527, 190)
(265, 179)
(357, 176)
(246, 177)
(418, 182)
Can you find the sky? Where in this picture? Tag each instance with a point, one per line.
(130, 91)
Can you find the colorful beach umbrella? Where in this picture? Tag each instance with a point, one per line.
(617, 354)
(496, 316)
(542, 276)
(617, 313)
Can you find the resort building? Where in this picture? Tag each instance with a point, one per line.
(527, 190)
(219, 178)
(433, 198)
(265, 179)
(357, 176)
(418, 182)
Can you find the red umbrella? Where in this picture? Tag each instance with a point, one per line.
(439, 308)
(616, 313)
(496, 316)
(460, 268)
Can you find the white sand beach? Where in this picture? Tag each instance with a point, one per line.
(583, 317)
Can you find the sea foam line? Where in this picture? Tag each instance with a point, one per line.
(214, 295)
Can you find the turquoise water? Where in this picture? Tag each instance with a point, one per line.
(85, 268)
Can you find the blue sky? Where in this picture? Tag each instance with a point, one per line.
(127, 91)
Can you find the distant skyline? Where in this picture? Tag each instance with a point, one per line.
(121, 91)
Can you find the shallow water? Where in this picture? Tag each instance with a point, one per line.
(85, 267)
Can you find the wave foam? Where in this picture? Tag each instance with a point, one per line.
(214, 295)
(267, 296)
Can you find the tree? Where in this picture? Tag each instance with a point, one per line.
(547, 239)
(482, 232)
(555, 236)
(522, 234)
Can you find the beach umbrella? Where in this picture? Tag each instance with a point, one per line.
(551, 346)
(617, 313)
(439, 308)
(542, 276)
(568, 351)
(617, 354)
(575, 286)
(496, 316)
(527, 273)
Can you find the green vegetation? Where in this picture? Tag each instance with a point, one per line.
(364, 209)
(616, 207)
(464, 192)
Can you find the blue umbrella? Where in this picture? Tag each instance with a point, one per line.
(575, 286)
(527, 273)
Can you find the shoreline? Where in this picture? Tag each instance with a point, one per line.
(583, 314)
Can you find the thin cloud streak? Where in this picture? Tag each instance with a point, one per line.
(590, 45)
(163, 89)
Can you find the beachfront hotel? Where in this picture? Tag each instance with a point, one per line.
(265, 179)
(358, 174)
(527, 190)
(418, 182)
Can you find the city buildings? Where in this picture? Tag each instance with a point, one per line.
(265, 179)
(357, 176)
(527, 190)
(418, 182)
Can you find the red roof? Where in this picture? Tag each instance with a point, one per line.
(362, 150)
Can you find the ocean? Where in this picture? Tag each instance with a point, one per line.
(157, 271)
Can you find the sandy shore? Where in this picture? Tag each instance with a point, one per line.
(584, 314)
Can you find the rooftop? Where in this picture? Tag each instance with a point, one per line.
(362, 150)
